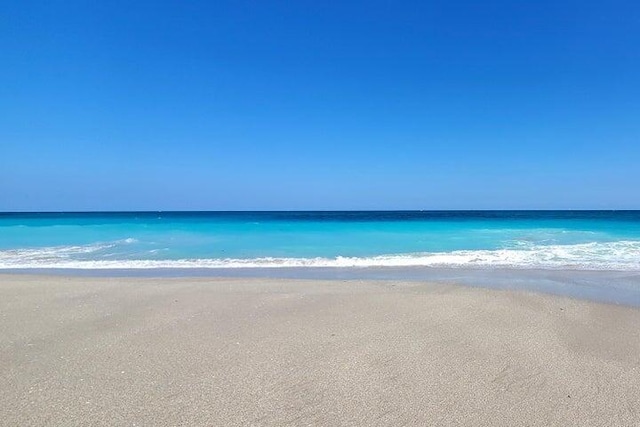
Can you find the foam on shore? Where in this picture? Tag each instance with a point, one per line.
(617, 255)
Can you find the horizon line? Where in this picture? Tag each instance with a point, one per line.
(314, 210)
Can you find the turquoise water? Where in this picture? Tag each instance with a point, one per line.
(587, 254)
(576, 240)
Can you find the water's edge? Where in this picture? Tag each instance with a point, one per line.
(622, 287)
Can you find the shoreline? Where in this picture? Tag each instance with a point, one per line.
(268, 351)
(620, 287)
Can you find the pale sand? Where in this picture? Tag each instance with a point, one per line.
(225, 352)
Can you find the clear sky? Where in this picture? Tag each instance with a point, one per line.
(216, 105)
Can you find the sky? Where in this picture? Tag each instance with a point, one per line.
(314, 105)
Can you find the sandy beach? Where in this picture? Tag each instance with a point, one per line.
(228, 352)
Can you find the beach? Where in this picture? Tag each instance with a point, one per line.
(248, 351)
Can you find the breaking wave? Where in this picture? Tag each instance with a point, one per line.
(619, 255)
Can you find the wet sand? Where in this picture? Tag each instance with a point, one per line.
(227, 352)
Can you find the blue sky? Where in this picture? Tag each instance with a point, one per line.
(217, 105)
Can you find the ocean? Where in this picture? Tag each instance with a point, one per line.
(598, 250)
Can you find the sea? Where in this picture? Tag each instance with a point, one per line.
(586, 254)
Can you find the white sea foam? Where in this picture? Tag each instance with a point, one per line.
(620, 255)
(54, 254)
